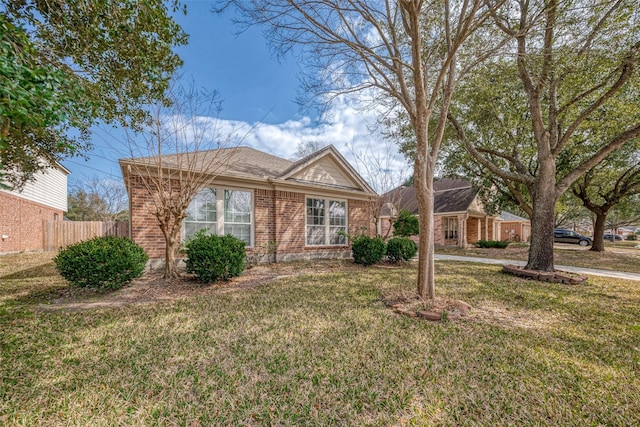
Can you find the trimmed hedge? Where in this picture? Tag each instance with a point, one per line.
(401, 249)
(406, 225)
(212, 257)
(103, 262)
(368, 250)
(500, 244)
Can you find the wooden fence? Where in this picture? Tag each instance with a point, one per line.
(58, 234)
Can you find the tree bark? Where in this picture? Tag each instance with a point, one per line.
(542, 221)
(425, 196)
(423, 167)
(598, 232)
(170, 238)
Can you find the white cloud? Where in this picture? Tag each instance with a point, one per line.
(349, 128)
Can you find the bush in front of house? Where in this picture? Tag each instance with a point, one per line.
(500, 244)
(368, 250)
(107, 262)
(212, 257)
(401, 249)
(406, 224)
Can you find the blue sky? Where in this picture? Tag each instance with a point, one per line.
(258, 94)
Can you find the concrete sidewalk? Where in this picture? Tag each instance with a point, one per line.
(589, 271)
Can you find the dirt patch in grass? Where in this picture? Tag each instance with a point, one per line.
(439, 309)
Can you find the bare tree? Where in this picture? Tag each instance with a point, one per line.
(97, 199)
(178, 153)
(406, 50)
(380, 168)
(305, 148)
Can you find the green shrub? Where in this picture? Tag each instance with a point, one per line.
(406, 225)
(103, 262)
(212, 257)
(401, 249)
(632, 237)
(367, 250)
(500, 244)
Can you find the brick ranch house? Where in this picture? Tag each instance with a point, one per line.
(459, 215)
(297, 209)
(514, 228)
(24, 212)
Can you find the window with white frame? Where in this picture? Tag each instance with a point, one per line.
(237, 214)
(451, 228)
(326, 222)
(236, 219)
(201, 213)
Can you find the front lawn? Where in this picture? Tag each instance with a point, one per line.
(616, 257)
(319, 348)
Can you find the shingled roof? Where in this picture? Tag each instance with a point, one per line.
(247, 162)
(451, 195)
(243, 161)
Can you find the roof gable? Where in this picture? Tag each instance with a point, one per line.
(450, 195)
(509, 217)
(326, 167)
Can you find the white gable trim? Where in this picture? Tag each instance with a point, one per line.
(330, 151)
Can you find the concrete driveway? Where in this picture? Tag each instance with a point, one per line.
(589, 271)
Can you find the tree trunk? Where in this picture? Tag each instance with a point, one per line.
(542, 221)
(598, 232)
(426, 276)
(423, 178)
(170, 237)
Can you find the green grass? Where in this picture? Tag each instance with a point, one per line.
(616, 257)
(322, 349)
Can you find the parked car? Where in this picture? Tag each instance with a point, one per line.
(609, 236)
(560, 235)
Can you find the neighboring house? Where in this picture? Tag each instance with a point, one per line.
(625, 232)
(459, 215)
(23, 213)
(299, 210)
(514, 228)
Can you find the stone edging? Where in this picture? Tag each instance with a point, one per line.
(459, 310)
(544, 276)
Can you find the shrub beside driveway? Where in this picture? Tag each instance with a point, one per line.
(318, 347)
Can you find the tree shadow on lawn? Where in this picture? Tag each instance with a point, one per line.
(42, 270)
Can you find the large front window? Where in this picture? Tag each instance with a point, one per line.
(237, 213)
(326, 222)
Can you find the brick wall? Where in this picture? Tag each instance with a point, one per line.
(290, 223)
(361, 220)
(264, 217)
(278, 216)
(22, 221)
(515, 231)
(144, 226)
(438, 230)
(472, 230)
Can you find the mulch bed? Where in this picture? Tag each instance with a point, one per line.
(439, 309)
